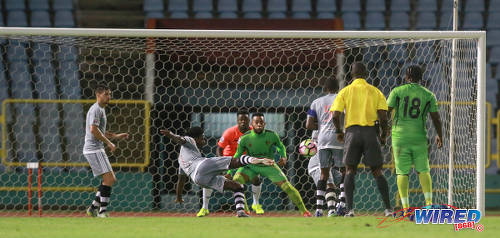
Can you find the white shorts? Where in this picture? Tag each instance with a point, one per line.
(99, 162)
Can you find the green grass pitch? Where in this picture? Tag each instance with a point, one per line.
(220, 227)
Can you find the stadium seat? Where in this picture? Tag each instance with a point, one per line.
(40, 19)
(375, 21)
(69, 80)
(326, 6)
(397, 52)
(202, 6)
(154, 14)
(276, 15)
(14, 5)
(153, 6)
(375, 6)
(399, 21)
(473, 21)
(493, 38)
(400, 6)
(301, 15)
(351, 21)
(489, 72)
(426, 21)
(433, 71)
(252, 15)
(251, 6)
(494, 7)
(17, 18)
(447, 6)
(177, 5)
(325, 15)
(65, 5)
(351, 6)
(44, 79)
(39, 5)
(301, 6)
(16, 51)
(26, 143)
(495, 55)
(228, 15)
(4, 86)
(446, 21)
(276, 6)
(64, 19)
(427, 5)
(203, 15)
(493, 22)
(21, 86)
(227, 6)
(1, 22)
(423, 52)
(474, 6)
(41, 52)
(179, 15)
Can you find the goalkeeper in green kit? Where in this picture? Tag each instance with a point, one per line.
(411, 104)
(261, 143)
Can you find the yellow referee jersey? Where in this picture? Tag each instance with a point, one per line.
(360, 101)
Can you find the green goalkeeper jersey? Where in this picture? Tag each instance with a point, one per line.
(411, 102)
(260, 145)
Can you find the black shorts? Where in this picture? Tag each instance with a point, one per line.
(362, 140)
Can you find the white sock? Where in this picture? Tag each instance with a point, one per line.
(207, 192)
(256, 193)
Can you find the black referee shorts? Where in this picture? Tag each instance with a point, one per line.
(362, 140)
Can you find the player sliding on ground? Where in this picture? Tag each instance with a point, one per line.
(260, 142)
(411, 103)
(206, 172)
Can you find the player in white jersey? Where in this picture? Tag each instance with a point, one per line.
(93, 150)
(206, 172)
(330, 150)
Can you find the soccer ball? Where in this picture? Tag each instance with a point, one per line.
(308, 148)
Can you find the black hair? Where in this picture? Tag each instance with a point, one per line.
(194, 132)
(330, 84)
(242, 112)
(414, 72)
(101, 88)
(258, 114)
(358, 70)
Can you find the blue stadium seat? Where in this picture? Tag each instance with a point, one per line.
(203, 15)
(1, 21)
(153, 6)
(397, 52)
(494, 7)
(276, 15)
(427, 5)
(276, 6)
(326, 6)
(495, 55)
(433, 71)
(351, 21)
(13, 5)
(4, 86)
(423, 52)
(252, 15)
(446, 21)
(228, 15)
(301, 15)
(40, 19)
(202, 6)
(179, 15)
(17, 18)
(301, 6)
(39, 5)
(489, 72)
(375, 21)
(16, 51)
(400, 6)
(69, 80)
(26, 143)
(67, 53)
(64, 19)
(41, 52)
(399, 21)
(251, 6)
(20, 80)
(66, 5)
(44, 78)
(177, 5)
(227, 6)
(493, 21)
(473, 21)
(426, 21)
(325, 15)
(474, 6)
(154, 14)
(493, 38)
(447, 6)
(50, 144)
(351, 6)
(73, 122)
(375, 5)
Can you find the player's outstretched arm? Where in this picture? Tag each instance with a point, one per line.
(111, 135)
(436, 120)
(176, 138)
(245, 160)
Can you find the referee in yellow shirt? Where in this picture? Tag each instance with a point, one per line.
(362, 104)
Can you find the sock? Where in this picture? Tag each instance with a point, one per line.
(426, 183)
(342, 192)
(383, 188)
(294, 195)
(349, 190)
(256, 189)
(320, 195)
(330, 199)
(403, 190)
(239, 197)
(97, 200)
(105, 195)
(240, 179)
(207, 192)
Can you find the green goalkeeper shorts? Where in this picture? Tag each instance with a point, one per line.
(273, 173)
(406, 154)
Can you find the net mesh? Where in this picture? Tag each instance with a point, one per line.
(203, 82)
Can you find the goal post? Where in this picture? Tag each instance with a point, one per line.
(202, 77)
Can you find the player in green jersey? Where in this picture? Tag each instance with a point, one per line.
(411, 103)
(262, 142)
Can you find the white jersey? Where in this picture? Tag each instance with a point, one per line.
(320, 109)
(189, 156)
(96, 116)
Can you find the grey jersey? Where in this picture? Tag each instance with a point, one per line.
(95, 116)
(320, 109)
(189, 156)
